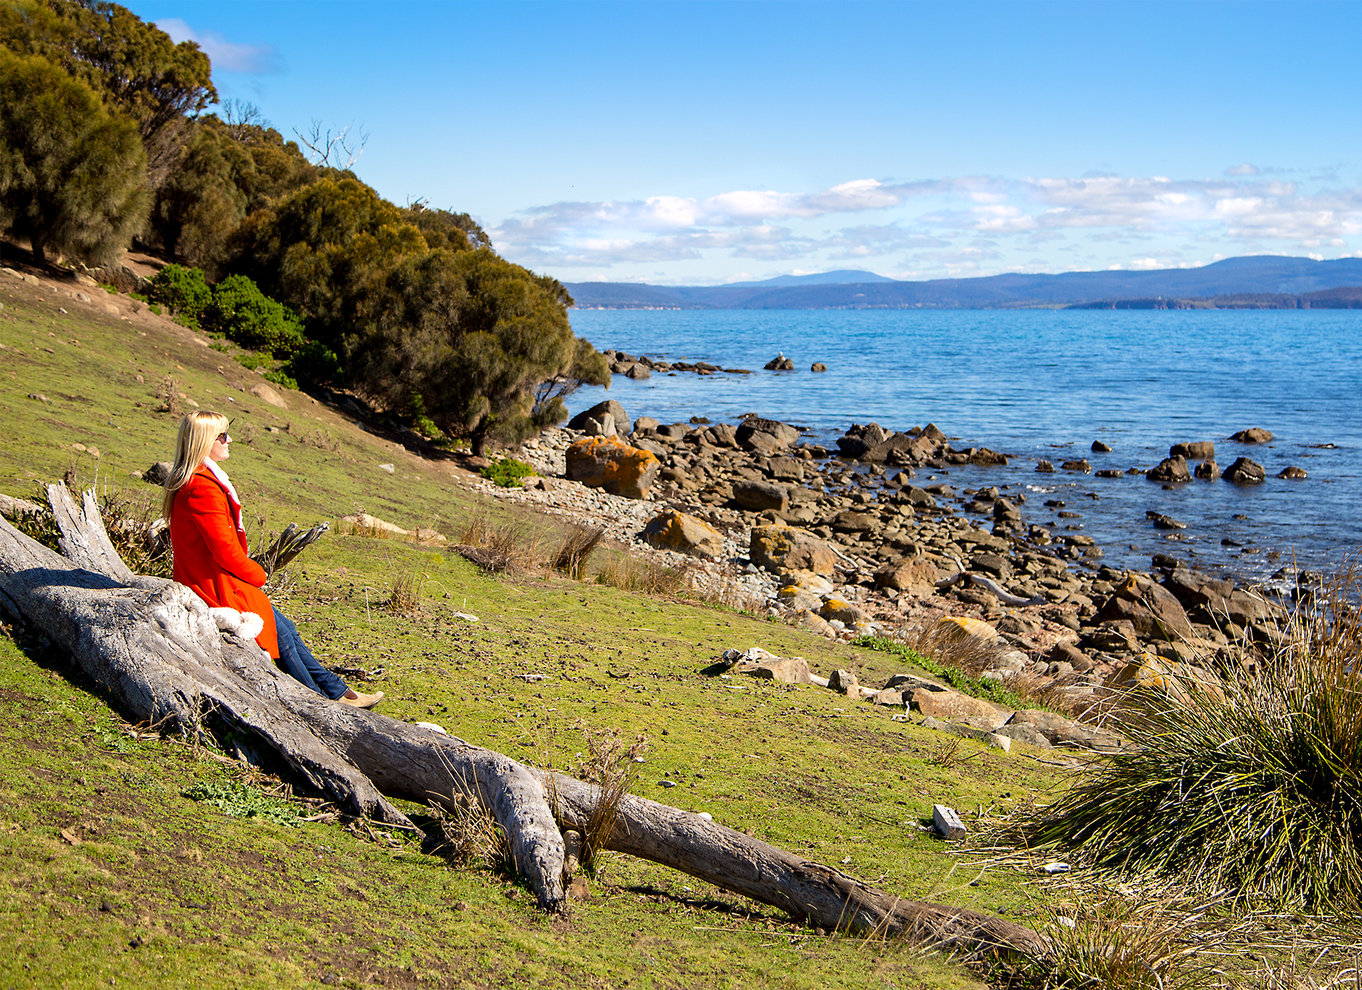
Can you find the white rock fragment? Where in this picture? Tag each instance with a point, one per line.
(947, 823)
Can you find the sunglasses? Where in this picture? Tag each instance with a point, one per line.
(224, 438)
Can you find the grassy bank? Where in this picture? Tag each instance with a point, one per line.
(126, 857)
(110, 872)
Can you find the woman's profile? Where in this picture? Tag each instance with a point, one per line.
(208, 542)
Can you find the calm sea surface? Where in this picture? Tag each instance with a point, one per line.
(1044, 384)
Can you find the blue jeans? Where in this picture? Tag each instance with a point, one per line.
(296, 660)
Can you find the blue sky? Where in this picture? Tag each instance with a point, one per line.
(699, 143)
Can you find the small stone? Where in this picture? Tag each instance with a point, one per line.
(390, 468)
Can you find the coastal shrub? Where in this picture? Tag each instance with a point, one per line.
(315, 362)
(507, 471)
(1255, 788)
(281, 378)
(252, 319)
(184, 290)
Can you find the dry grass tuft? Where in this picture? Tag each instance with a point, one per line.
(1110, 943)
(405, 598)
(646, 577)
(500, 547)
(576, 550)
(468, 832)
(611, 764)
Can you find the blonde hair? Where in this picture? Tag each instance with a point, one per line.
(198, 430)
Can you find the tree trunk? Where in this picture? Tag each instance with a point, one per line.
(153, 646)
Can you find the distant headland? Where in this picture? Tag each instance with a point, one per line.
(1256, 282)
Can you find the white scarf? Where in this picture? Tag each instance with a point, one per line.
(226, 483)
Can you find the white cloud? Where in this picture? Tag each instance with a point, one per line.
(227, 55)
(952, 226)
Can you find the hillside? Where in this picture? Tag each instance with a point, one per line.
(1247, 276)
(110, 873)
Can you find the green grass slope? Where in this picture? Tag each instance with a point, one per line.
(111, 875)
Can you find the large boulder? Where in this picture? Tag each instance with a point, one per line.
(1170, 470)
(1183, 683)
(1255, 434)
(1153, 611)
(764, 436)
(673, 530)
(621, 418)
(1245, 472)
(759, 496)
(912, 574)
(610, 463)
(782, 549)
(1199, 450)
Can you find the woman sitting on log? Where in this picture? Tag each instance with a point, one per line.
(209, 546)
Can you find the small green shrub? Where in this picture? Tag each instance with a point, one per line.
(315, 362)
(183, 290)
(240, 801)
(507, 471)
(253, 360)
(282, 378)
(252, 319)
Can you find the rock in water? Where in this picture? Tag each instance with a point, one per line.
(1255, 434)
(1170, 470)
(1245, 472)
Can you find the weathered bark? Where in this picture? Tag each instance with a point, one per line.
(822, 896)
(153, 646)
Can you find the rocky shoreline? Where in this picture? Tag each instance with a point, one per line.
(867, 540)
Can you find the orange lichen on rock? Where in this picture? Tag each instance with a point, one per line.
(610, 463)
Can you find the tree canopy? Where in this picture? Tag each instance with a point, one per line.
(72, 176)
(104, 137)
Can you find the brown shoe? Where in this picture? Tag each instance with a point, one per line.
(360, 700)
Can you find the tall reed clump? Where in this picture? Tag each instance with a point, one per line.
(1258, 792)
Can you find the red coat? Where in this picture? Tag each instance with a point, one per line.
(210, 553)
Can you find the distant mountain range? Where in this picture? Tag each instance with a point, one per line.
(1261, 281)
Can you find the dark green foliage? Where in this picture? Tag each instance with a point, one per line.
(133, 65)
(468, 334)
(447, 229)
(250, 318)
(72, 176)
(315, 362)
(507, 471)
(184, 290)
(327, 250)
(199, 204)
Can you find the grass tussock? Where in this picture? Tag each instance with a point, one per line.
(1113, 944)
(467, 831)
(1255, 789)
(951, 659)
(646, 577)
(576, 550)
(405, 597)
(500, 547)
(611, 763)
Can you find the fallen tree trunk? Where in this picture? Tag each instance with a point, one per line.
(153, 646)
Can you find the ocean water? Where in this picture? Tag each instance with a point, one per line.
(1046, 384)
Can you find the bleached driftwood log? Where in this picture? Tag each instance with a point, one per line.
(153, 646)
